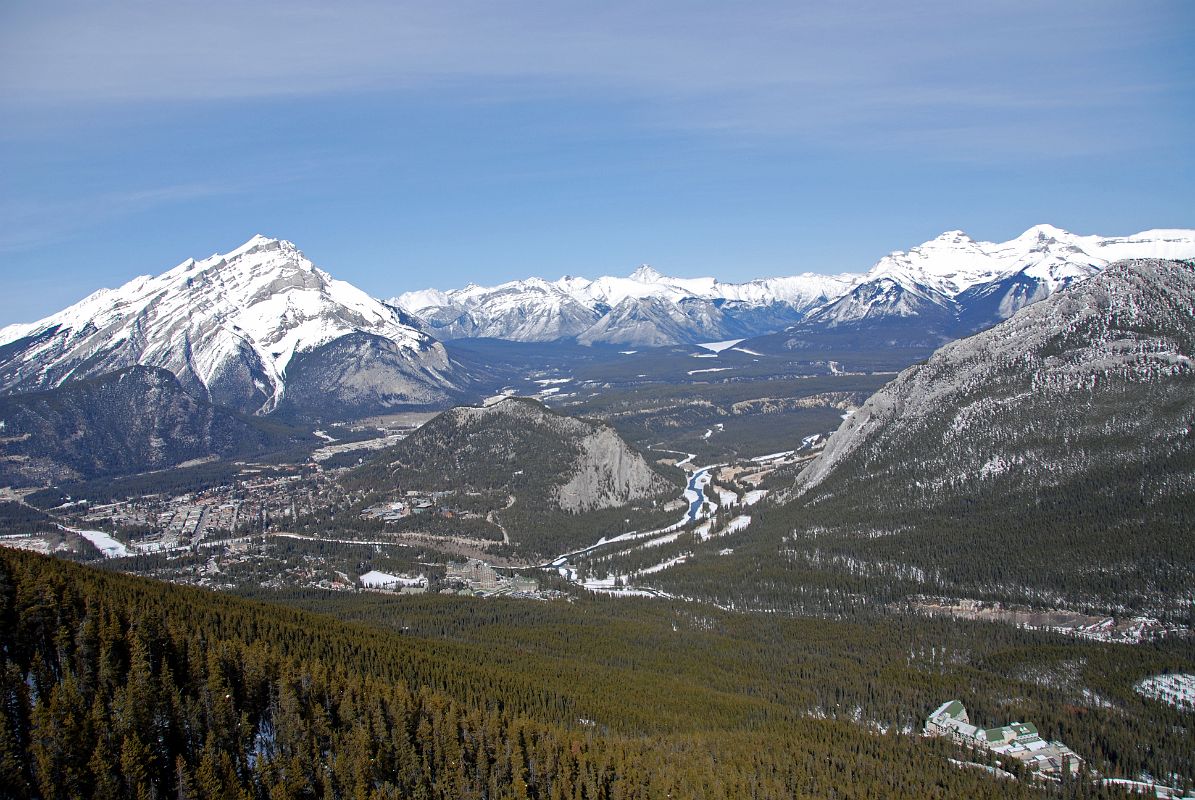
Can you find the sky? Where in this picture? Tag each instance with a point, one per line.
(406, 145)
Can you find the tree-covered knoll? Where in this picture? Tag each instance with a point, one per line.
(563, 482)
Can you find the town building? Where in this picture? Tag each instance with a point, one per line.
(478, 574)
(1018, 740)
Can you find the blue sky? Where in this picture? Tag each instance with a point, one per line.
(405, 145)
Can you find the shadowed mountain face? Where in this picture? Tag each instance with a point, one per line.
(233, 328)
(134, 420)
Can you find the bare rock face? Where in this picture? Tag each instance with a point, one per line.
(608, 474)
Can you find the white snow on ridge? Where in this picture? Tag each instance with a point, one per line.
(904, 283)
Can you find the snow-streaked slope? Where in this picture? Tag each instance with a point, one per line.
(1048, 460)
(228, 326)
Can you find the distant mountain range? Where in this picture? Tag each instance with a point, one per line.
(258, 329)
(944, 288)
(262, 330)
(645, 309)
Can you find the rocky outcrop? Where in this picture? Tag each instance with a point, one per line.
(608, 474)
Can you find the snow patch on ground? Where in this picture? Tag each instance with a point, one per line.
(754, 496)
(1147, 789)
(712, 369)
(384, 580)
(718, 347)
(773, 456)
(738, 523)
(994, 466)
(105, 544)
(1177, 689)
(663, 565)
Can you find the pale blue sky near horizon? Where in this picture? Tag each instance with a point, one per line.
(407, 145)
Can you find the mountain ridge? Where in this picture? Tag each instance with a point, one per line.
(953, 283)
(1048, 459)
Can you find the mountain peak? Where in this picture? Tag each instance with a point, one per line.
(259, 242)
(246, 315)
(1044, 232)
(646, 274)
(953, 236)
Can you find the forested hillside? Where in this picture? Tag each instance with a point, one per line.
(135, 419)
(115, 686)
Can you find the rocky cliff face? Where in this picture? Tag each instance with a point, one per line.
(135, 420)
(607, 474)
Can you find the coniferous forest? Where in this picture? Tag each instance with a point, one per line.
(116, 686)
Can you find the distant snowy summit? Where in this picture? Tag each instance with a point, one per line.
(952, 282)
(645, 308)
(258, 329)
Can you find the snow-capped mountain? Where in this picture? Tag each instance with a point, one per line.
(981, 283)
(943, 288)
(257, 329)
(643, 308)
